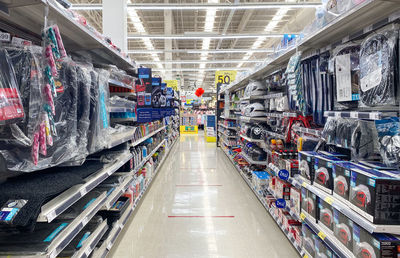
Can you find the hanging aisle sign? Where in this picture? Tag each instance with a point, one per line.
(224, 77)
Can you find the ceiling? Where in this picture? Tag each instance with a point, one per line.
(186, 66)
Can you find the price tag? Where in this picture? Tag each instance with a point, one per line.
(329, 200)
(374, 115)
(83, 191)
(304, 184)
(322, 235)
(302, 216)
(85, 220)
(51, 216)
(109, 245)
(354, 114)
(305, 256)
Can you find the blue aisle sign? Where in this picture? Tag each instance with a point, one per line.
(280, 203)
(283, 174)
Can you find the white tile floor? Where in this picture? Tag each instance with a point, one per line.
(197, 179)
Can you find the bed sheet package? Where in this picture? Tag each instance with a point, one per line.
(378, 67)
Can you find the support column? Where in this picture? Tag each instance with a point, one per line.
(115, 22)
(168, 30)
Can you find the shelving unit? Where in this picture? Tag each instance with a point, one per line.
(30, 15)
(251, 161)
(342, 29)
(105, 248)
(264, 204)
(251, 140)
(353, 25)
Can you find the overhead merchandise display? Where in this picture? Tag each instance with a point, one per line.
(315, 132)
(83, 134)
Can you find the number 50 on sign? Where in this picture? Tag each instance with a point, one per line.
(224, 77)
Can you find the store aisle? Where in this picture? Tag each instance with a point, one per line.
(199, 206)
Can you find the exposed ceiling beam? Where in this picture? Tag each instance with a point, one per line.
(201, 61)
(204, 6)
(199, 51)
(206, 69)
(201, 36)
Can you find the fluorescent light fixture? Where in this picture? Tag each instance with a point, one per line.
(209, 36)
(199, 51)
(137, 23)
(202, 6)
(200, 61)
(205, 69)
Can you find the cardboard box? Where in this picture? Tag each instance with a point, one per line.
(325, 215)
(295, 201)
(308, 239)
(306, 165)
(321, 249)
(282, 189)
(323, 167)
(376, 196)
(375, 245)
(343, 229)
(341, 180)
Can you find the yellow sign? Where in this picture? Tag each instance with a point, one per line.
(172, 83)
(224, 77)
(322, 235)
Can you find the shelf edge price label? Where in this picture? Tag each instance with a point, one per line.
(224, 77)
(302, 216)
(305, 256)
(304, 184)
(329, 200)
(322, 235)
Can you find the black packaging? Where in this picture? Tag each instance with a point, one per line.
(376, 196)
(308, 240)
(375, 245)
(343, 229)
(156, 92)
(341, 180)
(325, 215)
(321, 249)
(306, 165)
(323, 168)
(309, 203)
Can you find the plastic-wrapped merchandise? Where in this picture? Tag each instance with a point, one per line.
(344, 64)
(378, 66)
(116, 101)
(11, 110)
(363, 140)
(84, 81)
(294, 83)
(329, 132)
(99, 111)
(17, 139)
(389, 140)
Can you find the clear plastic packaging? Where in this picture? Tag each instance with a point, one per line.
(344, 64)
(389, 140)
(11, 109)
(378, 63)
(99, 111)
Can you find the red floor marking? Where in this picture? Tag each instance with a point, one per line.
(196, 185)
(201, 216)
